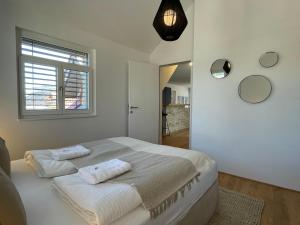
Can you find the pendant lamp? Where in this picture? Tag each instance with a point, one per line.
(170, 20)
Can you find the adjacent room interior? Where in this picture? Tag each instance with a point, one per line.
(161, 112)
(175, 86)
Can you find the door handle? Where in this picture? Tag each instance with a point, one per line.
(134, 107)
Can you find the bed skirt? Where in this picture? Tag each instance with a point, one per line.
(202, 211)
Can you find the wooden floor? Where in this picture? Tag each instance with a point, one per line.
(178, 139)
(282, 206)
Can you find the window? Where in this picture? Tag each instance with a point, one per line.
(56, 78)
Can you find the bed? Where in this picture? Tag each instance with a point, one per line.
(45, 207)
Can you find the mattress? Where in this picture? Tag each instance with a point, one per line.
(44, 206)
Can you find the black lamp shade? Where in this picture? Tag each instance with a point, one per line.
(170, 20)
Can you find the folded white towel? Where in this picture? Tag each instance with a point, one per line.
(43, 164)
(103, 171)
(69, 152)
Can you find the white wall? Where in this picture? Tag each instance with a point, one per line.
(177, 51)
(112, 58)
(261, 141)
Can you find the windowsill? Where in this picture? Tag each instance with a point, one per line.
(57, 117)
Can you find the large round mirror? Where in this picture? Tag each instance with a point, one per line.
(255, 89)
(269, 59)
(220, 68)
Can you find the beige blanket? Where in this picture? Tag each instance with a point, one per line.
(158, 178)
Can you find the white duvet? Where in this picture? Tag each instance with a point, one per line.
(104, 203)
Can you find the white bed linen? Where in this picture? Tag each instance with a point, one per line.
(99, 204)
(44, 207)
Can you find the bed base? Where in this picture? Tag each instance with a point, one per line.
(202, 211)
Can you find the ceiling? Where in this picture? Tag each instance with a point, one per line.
(182, 74)
(128, 22)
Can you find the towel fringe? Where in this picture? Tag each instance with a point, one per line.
(172, 199)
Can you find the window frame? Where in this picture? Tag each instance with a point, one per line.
(60, 112)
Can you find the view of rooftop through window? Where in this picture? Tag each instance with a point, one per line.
(76, 89)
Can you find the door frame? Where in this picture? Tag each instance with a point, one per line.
(160, 100)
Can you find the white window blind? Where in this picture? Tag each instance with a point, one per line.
(55, 80)
(40, 87)
(52, 52)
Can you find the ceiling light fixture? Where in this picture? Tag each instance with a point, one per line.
(170, 20)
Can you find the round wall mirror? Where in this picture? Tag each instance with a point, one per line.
(269, 59)
(220, 68)
(255, 89)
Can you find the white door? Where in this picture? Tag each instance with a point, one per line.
(143, 116)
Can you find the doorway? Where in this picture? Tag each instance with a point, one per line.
(175, 104)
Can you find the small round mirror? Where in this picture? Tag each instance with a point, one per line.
(255, 89)
(269, 59)
(220, 68)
